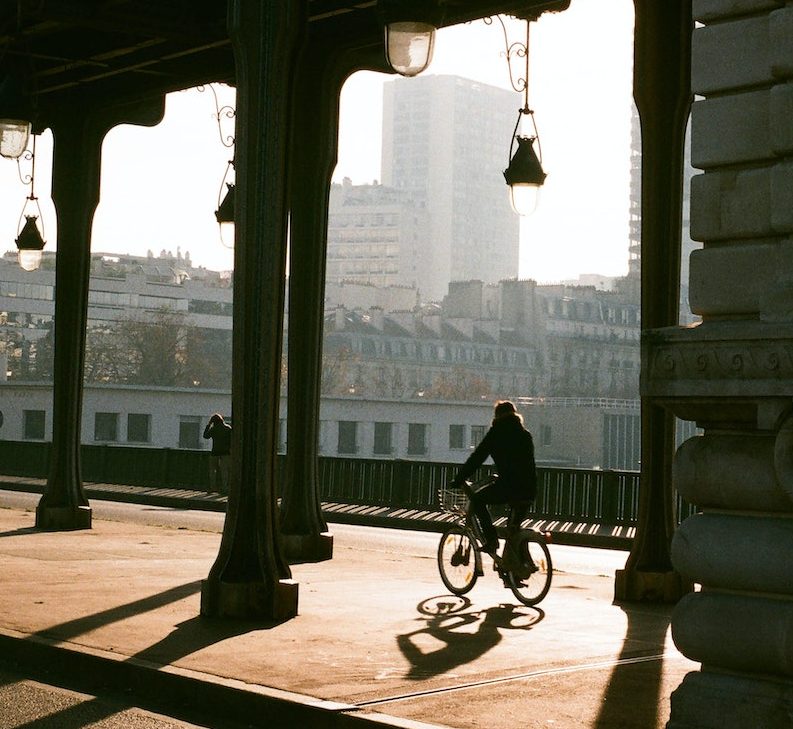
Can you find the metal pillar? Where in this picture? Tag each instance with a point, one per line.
(321, 73)
(662, 91)
(250, 578)
(304, 532)
(78, 134)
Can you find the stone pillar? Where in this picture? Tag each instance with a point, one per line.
(250, 578)
(663, 97)
(733, 375)
(78, 133)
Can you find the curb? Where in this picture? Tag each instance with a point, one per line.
(191, 696)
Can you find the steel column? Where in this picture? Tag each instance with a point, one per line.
(662, 92)
(78, 133)
(250, 577)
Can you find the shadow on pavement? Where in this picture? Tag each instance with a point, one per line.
(187, 637)
(444, 642)
(194, 635)
(79, 626)
(645, 636)
(21, 531)
(83, 714)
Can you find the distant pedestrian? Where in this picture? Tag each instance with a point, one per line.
(220, 433)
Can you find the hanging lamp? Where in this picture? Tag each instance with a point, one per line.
(410, 27)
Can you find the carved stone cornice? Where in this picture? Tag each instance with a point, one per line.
(746, 359)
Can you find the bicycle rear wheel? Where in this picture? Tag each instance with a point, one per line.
(533, 551)
(457, 560)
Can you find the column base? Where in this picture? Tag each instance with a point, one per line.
(641, 586)
(299, 548)
(63, 518)
(719, 701)
(249, 600)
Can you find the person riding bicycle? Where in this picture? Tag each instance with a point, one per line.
(511, 447)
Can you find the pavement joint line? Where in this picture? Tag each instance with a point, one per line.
(520, 677)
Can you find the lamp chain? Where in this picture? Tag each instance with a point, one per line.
(512, 51)
(221, 112)
(30, 180)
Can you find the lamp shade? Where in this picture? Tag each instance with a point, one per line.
(14, 135)
(225, 211)
(524, 176)
(409, 33)
(409, 46)
(15, 116)
(30, 244)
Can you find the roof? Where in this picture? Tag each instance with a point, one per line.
(132, 50)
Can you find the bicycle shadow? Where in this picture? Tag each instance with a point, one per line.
(446, 640)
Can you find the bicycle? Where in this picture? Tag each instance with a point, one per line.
(524, 565)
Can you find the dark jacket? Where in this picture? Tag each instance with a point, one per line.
(511, 447)
(221, 438)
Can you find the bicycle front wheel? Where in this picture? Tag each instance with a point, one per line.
(531, 588)
(457, 560)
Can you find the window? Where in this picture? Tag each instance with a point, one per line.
(106, 426)
(383, 439)
(189, 429)
(138, 428)
(33, 424)
(456, 436)
(477, 434)
(348, 437)
(417, 439)
(545, 435)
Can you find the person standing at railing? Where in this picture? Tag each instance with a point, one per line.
(220, 432)
(511, 447)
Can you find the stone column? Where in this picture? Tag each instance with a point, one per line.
(733, 375)
(663, 98)
(78, 133)
(250, 578)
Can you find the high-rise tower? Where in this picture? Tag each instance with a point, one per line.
(446, 141)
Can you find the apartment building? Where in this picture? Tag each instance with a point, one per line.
(445, 142)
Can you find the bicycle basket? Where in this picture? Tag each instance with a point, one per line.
(452, 500)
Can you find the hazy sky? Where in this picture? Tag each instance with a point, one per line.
(160, 185)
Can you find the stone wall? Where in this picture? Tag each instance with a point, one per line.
(734, 374)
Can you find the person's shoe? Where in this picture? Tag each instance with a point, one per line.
(525, 570)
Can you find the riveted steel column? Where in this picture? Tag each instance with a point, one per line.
(250, 578)
(304, 532)
(662, 91)
(78, 133)
(322, 71)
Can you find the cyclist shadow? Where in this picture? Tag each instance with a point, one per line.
(446, 641)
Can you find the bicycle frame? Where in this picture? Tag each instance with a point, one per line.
(517, 564)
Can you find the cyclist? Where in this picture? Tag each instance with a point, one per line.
(511, 447)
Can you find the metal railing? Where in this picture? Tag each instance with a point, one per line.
(563, 494)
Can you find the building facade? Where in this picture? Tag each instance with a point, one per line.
(376, 235)
(445, 141)
(568, 432)
(514, 339)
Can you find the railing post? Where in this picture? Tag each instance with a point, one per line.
(400, 484)
(609, 504)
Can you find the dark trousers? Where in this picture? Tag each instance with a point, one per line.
(496, 492)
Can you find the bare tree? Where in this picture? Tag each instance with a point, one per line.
(459, 384)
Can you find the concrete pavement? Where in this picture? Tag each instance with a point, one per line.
(377, 641)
